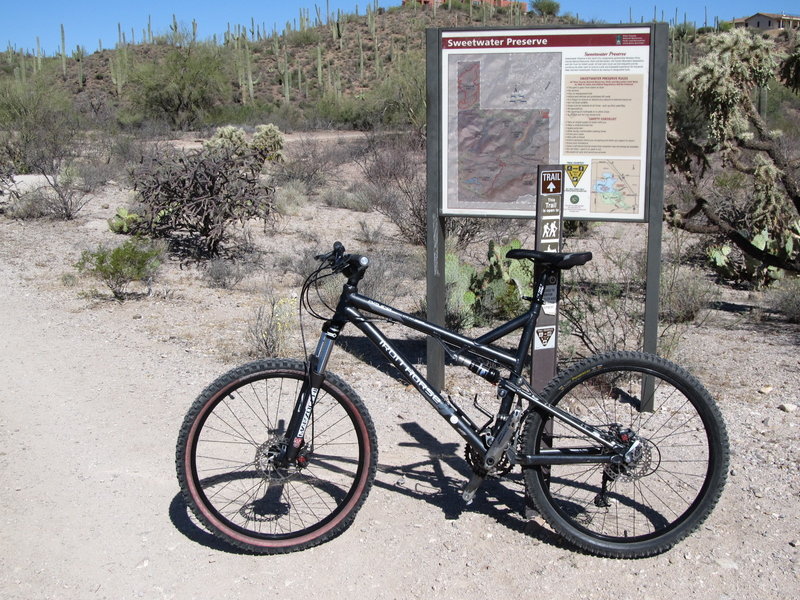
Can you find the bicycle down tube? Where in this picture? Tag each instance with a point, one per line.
(453, 414)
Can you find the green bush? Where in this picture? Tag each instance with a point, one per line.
(477, 298)
(134, 260)
(182, 88)
(501, 286)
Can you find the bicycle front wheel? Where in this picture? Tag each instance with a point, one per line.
(226, 459)
(679, 460)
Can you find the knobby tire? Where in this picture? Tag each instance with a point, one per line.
(639, 509)
(232, 432)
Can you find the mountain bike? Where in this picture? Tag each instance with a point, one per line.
(623, 454)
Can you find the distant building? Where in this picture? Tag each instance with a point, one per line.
(768, 22)
(495, 3)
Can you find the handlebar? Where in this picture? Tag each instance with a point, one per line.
(352, 266)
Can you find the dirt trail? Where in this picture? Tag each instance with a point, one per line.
(92, 395)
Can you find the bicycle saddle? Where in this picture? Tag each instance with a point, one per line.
(559, 260)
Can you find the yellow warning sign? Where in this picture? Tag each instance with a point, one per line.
(575, 172)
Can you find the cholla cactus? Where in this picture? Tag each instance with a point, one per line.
(268, 141)
(227, 137)
(721, 82)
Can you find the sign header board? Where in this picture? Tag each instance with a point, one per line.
(512, 100)
(550, 182)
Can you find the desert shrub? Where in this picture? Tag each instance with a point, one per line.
(31, 204)
(459, 313)
(311, 162)
(370, 234)
(785, 298)
(602, 305)
(350, 199)
(347, 111)
(399, 100)
(685, 293)
(270, 327)
(602, 302)
(40, 134)
(225, 273)
(684, 296)
(382, 277)
(197, 197)
(290, 197)
(118, 267)
(394, 169)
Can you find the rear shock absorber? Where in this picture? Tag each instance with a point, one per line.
(490, 374)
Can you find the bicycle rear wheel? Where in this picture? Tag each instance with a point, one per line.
(645, 507)
(231, 436)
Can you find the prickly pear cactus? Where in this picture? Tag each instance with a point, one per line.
(500, 288)
(460, 297)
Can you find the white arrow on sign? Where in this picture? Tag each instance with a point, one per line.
(551, 187)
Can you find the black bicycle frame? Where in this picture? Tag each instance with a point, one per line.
(348, 311)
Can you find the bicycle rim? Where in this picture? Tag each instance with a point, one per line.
(231, 479)
(645, 507)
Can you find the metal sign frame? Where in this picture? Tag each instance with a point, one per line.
(651, 169)
(512, 99)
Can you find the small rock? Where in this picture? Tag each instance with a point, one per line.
(787, 407)
(765, 390)
(727, 563)
(794, 543)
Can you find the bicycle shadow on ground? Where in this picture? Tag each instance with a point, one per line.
(424, 480)
(504, 499)
(179, 515)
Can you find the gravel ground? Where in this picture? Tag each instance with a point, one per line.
(93, 393)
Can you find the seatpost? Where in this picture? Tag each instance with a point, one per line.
(545, 275)
(536, 308)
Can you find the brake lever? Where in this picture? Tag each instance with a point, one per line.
(334, 256)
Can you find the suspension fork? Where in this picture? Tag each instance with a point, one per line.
(304, 406)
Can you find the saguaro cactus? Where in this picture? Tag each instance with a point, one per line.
(63, 53)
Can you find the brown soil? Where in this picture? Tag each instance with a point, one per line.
(93, 393)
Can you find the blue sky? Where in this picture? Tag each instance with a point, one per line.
(87, 21)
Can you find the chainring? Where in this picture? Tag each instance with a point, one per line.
(475, 462)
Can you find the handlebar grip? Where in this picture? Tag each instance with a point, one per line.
(334, 255)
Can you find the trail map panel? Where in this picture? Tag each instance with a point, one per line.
(515, 99)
